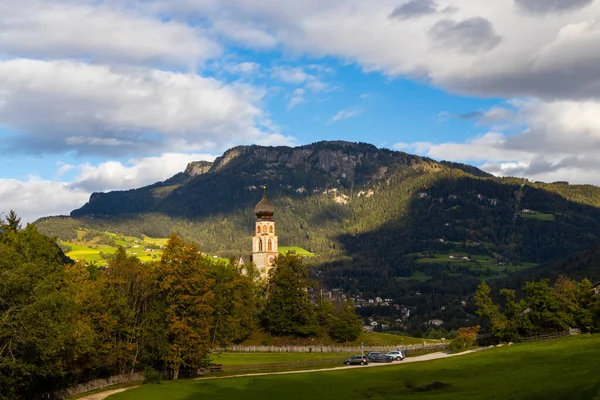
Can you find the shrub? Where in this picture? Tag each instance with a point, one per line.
(152, 376)
(465, 339)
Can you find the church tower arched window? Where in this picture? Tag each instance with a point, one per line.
(271, 229)
(259, 245)
(270, 245)
(258, 229)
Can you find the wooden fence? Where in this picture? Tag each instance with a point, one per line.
(546, 337)
(334, 349)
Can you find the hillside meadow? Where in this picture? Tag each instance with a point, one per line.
(564, 369)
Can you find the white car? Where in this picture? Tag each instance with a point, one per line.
(396, 355)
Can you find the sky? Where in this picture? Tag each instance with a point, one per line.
(100, 95)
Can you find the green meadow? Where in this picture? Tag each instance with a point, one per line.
(538, 216)
(297, 250)
(563, 369)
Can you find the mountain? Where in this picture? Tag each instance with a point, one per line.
(382, 222)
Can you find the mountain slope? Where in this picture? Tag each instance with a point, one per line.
(382, 222)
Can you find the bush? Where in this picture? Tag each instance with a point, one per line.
(152, 376)
(465, 339)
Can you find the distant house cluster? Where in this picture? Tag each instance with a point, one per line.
(377, 301)
(459, 257)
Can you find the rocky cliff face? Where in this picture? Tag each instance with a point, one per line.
(196, 168)
(205, 188)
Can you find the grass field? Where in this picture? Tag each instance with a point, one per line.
(477, 262)
(551, 370)
(297, 250)
(89, 251)
(538, 216)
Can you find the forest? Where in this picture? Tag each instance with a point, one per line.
(62, 323)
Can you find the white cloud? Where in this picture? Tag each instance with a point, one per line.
(498, 44)
(346, 114)
(294, 75)
(560, 142)
(243, 68)
(113, 175)
(67, 105)
(100, 31)
(37, 198)
(297, 98)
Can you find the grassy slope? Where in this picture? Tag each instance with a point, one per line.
(565, 369)
(297, 250)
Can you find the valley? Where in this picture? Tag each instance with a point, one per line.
(379, 222)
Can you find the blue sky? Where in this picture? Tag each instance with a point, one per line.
(107, 95)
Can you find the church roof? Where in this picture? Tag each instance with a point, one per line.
(264, 209)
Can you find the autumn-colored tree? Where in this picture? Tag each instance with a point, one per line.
(465, 339)
(183, 281)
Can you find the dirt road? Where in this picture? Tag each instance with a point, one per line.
(103, 395)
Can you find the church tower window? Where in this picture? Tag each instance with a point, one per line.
(270, 245)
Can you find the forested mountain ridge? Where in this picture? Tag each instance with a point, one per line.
(382, 222)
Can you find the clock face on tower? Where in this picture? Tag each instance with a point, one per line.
(271, 259)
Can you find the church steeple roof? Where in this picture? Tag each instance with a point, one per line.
(264, 209)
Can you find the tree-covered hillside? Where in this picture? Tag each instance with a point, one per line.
(381, 222)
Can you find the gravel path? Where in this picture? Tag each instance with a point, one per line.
(103, 395)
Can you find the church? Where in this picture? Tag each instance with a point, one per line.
(264, 242)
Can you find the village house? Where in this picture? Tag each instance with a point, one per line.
(435, 322)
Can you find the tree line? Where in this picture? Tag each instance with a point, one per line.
(61, 324)
(542, 309)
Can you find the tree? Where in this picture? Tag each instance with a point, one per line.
(289, 310)
(37, 333)
(490, 311)
(13, 222)
(234, 305)
(546, 312)
(346, 327)
(465, 339)
(184, 283)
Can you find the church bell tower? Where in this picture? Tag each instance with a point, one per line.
(264, 243)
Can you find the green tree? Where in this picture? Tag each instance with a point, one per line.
(545, 310)
(234, 306)
(488, 310)
(183, 281)
(13, 222)
(289, 311)
(37, 333)
(346, 326)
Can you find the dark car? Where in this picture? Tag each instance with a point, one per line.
(357, 360)
(378, 357)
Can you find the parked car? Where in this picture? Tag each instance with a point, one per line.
(396, 355)
(378, 357)
(357, 360)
